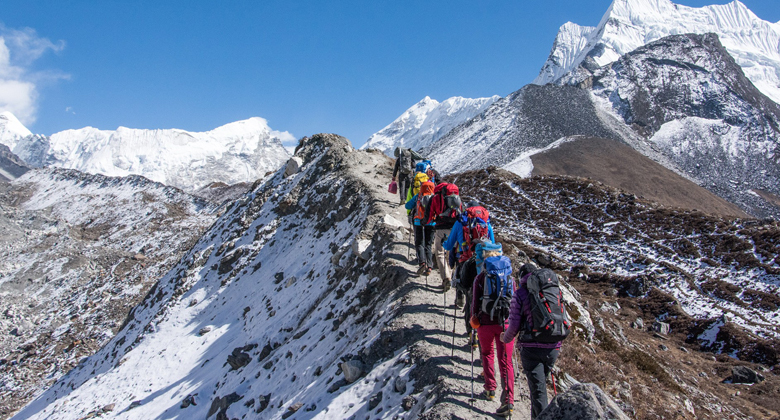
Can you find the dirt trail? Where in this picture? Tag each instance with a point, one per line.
(426, 319)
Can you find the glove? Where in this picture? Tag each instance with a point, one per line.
(393, 179)
(474, 322)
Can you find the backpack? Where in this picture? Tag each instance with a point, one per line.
(423, 166)
(446, 201)
(419, 179)
(484, 246)
(422, 210)
(548, 314)
(475, 221)
(405, 164)
(498, 288)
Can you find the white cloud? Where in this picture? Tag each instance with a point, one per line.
(19, 49)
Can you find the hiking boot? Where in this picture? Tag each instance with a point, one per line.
(428, 271)
(446, 286)
(489, 395)
(422, 269)
(459, 301)
(505, 410)
(474, 341)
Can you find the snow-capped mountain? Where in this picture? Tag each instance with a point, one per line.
(11, 167)
(242, 151)
(630, 24)
(426, 122)
(689, 97)
(11, 130)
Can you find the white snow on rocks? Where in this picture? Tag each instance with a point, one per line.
(629, 24)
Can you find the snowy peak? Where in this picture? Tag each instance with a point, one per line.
(427, 121)
(241, 151)
(11, 129)
(629, 24)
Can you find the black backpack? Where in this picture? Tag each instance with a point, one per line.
(405, 161)
(498, 288)
(551, 323)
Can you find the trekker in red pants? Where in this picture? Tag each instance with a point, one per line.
(489, 331)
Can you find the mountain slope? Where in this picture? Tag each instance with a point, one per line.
(242, 151)
(11, 130)
(530, 119)
(615, 164)
(79, 251)
(426, 122)
(11, 167)
(630, 24)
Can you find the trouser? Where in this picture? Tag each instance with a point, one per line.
(403, 186)
(488, 336)
(423, 242)
(467, 270)
(537, 365)
(445, 272)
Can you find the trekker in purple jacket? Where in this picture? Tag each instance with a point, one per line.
(537, 359)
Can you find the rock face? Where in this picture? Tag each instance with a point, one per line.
(745, 375)
(688, 96)
(582, 401)
(11, 167)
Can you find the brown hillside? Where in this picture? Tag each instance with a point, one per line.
(618, 165)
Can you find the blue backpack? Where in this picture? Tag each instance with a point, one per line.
(498, 288)
(423, 166)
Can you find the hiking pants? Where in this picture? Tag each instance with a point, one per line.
(403, 186)
(488, 337)
(537, 365)
(423, 242)
(442, 260)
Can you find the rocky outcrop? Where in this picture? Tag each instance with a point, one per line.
(582, 401)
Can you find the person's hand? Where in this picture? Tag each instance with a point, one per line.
(474, 321)
(393, 179)
(501, 337)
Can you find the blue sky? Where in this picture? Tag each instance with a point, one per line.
(345, 67)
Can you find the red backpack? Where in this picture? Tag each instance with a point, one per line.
(475, 221)
(443, 203)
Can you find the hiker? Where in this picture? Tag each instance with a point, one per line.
(490, 305)
(539, 346)
(446, 207)
(404, 170)
(476, 220)
(419, 206)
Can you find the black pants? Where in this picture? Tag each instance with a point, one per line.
(467, 271)
(423, 242)
(404, 182)
(537, 365)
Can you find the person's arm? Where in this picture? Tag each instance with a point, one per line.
(515, 318)
(490, 231)
(452, 238)
(476, 293)
(411, 203)
(395, 168)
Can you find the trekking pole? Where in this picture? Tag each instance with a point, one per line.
(454, 321)
(472, 400)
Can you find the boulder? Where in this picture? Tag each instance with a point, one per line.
(400, 385)
(392, 221)
(293, 166)
(353, 370)
(582, 401)
(638, 324)
(362, 248)
(745, 375)
(238, 359)
(661, 327)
